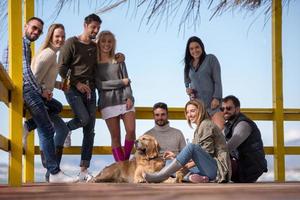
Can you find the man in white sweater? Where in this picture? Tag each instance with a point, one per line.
(169, 138)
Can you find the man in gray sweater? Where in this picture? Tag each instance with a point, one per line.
(169, 139)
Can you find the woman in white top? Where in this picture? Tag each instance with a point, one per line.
(45, 69)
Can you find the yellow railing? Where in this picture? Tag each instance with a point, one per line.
(11, 94)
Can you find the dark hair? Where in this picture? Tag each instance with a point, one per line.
(188, 58)
(234, 99)
(160, 105)
(37, 19)
(92, 17)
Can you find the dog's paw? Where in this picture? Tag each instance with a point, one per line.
(92, 180)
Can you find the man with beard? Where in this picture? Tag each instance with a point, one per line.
(244, 143)
(169, 139)
(34, 99)
(79, 57)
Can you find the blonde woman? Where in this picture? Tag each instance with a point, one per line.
(116, 101)
(208, 152)
(45, 69)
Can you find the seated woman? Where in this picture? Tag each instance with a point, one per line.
(207, 155)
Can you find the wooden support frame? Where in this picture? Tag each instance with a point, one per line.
(16, 104)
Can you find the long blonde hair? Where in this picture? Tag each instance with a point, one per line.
(202, 113)
(113, 50)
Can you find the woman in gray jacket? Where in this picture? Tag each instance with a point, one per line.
(115, 96)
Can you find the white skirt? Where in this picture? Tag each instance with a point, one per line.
(114, 111)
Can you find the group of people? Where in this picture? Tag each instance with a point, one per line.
(88, 63)
(227, 145)
(85, 63)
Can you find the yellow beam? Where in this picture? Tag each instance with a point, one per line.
(292, 150)
(6, 85)
(4, 143)
(16, 105)
(264, 114)
(277, 91)
(29, 154)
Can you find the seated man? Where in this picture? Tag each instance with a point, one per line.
(244, 143)
(169, 139)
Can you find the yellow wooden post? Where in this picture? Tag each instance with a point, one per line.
(278, 128)
(29, 154)
(16, 104)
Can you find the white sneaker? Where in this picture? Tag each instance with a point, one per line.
(24, 136)
(67, 142)
(61, 177)
(84, 176)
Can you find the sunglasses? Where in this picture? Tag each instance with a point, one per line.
(223, 108)
(35, 28)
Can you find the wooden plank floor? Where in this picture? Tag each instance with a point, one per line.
(112, 191)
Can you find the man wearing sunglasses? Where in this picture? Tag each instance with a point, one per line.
(244, 143)
(34, 97)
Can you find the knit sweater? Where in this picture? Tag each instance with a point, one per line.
(45, 68)
(111, 88)
(169, 139)
(81, 59)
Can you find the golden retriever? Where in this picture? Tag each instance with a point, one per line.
(146, 159)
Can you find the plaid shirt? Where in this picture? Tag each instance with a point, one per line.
(29, 81)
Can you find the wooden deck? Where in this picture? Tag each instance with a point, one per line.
(112, 191)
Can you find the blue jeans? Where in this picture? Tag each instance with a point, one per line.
(84, 110)
(205, 163)
(38, 111)
(54, 107)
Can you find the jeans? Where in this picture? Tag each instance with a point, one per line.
(84, 110)
(205, 163)
(54, 107)
(38, 111)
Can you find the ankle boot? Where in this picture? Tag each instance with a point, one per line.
(164, 173)
(128, 148)
(118, 154)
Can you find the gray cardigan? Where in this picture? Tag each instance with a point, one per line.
(206, 80)
(111, 89)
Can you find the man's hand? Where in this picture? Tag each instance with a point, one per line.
(83, 88)
(120, 57)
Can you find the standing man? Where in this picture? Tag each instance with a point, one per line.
(79, 55)
(169, 139)
(244, 143)
(34, 99)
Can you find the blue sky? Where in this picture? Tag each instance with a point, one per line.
(241, 41)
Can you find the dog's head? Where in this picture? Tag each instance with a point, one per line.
(147, 146)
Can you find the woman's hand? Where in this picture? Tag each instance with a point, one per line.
(169, 155)
(47, 94)
(126, 81)
(129, 104)
(214, 103)
(189, 91)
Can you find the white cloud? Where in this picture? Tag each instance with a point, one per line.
(292, 134)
